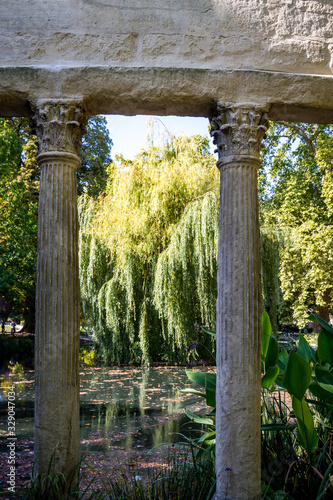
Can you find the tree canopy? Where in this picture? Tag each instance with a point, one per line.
(18, 218)
(95, 157)
(123, 237)
(297, 206)
(19, 192)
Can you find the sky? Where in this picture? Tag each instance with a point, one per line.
(129, 133)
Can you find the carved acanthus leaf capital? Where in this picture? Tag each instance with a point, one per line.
(238, 131)
(59, 126)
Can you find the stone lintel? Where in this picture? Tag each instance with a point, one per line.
(168, 91)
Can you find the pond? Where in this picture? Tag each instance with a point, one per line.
(126, 408)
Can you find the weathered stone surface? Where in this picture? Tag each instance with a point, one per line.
(141, 56)
(166, 91)
(59, 126)
(57, 424)
(91, 32)
(237, 132)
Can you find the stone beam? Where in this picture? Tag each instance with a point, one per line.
(238, 132)
(59, 127)
(164, 91)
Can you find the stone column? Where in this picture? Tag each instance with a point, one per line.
(59, 127)
(238, 132)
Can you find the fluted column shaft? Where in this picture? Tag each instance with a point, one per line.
(238, 133)
(57, 425)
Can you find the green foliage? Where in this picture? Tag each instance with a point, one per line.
(95, 157)
(87, 357)
(18, 217)
(289, 456)
(19, 192)
(21, 350)
(185, 279)
(208, 382)
(162, 207)
(297, 375)
(148, 255)
(297, 201)
(16, 369)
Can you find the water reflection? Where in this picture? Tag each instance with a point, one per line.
(139, 407)
(120, 407)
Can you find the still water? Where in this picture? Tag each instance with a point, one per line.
(122, 407)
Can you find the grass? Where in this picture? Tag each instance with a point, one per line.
(181, 479)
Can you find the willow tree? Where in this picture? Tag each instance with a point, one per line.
(149, 200)
(185, 288)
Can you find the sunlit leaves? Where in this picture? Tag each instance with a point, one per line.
(185, 277)
(298, 200)
(149, 201)
(19, 181)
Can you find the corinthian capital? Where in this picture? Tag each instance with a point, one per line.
(59, 126)
(238, 131)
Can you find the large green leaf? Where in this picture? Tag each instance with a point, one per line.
(306, 433)
(321, 321)
(204, 379)
(305, 350)
(268, 379)
(282, 361)
(211, 398)
(325, 347)
(321, 393)
(272, 354)
(208, 382)
(266, 331)
(324, 378)
(307, 440)
(209, 436)
(197, 419)
(297, 375)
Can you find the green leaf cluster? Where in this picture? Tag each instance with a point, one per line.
(299, 373)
